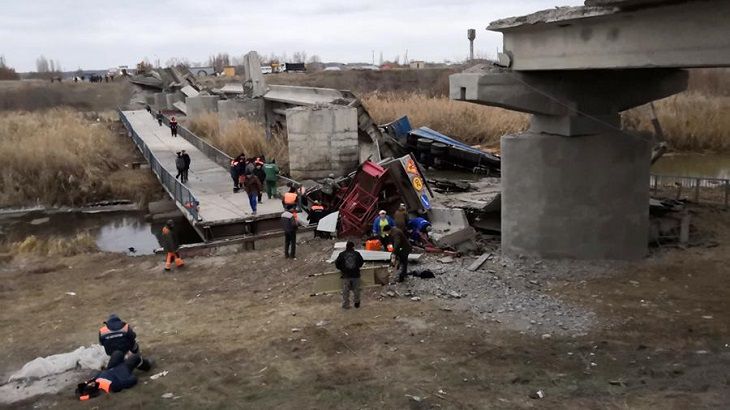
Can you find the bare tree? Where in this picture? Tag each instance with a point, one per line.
(7, 73)
(299, 57)
(314, 59)
(41, 64)
(219, 61)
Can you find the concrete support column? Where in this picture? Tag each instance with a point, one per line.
(200, 105)
(322, 140)
(577, 197)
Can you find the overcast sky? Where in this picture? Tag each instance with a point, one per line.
(104, 34)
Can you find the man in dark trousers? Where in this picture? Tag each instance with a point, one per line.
(159, 117)
(401, 249)
(117, 376)
(291, 223)
(180, 165)
(258, 170)
(349, 263)
(173, 127)
(186, 158)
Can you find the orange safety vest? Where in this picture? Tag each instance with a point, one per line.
(104, 330)
(290, 198)
(104, 384)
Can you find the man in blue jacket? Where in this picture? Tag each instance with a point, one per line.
(419, 228)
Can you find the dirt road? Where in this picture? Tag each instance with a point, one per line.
(241, 331)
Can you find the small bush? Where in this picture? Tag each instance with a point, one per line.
(55, 246)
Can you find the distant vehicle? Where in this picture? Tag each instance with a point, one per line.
(203, 71)
(266, 69)
(295, 67)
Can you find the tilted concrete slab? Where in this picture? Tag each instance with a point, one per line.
(181, 106)
(667, 34)
(189, 91)
(296, 95)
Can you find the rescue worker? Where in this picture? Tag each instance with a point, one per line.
(419, 227)
(186, 158)
(249, 166)
(401, 249)
(349, 263)
(234, 173)
(253, 187)
(180, 165)
(173, 127)
(290, 198)
(316, 212)
(271, 170)
(330, 186)
(171, 246)
(290, 222)
(160, 117)
(118, 375)
(379, 224)
(117, 335)
(401, 217)
(258, 170)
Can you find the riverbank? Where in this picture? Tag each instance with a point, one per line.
(59, 157)
(227, 331)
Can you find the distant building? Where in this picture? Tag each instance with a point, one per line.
(417, 65)
(229, 71)
(202, 71)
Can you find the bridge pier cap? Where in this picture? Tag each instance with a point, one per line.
(574, 185)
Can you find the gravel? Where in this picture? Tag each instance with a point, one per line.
(513, 292)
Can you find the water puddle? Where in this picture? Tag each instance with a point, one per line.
(119, 232)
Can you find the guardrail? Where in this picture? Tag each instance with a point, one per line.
(698, 189)
(179, 192)
(216, 155)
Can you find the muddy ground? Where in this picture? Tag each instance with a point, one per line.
(223, 328)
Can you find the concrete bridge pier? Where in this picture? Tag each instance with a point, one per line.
(574, 185)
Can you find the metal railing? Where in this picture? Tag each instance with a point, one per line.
(697, 189)
(215, 155)
(179, 192)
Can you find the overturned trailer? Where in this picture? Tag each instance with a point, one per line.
(439, 151)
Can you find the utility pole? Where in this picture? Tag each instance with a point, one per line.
(373, 63)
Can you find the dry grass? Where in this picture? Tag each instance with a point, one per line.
(243, 136)
(55, 246)
(57, 157)
(471, 123)
(691, 121)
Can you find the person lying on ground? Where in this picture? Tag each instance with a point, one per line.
(117, 376)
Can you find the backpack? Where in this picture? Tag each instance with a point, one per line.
(349, 262)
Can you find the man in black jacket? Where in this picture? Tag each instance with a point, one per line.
(290, 223)
(349, 263)
(116, 335)
(401, 249)
(186, 158)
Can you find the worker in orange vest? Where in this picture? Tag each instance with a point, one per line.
(117, 376)
(171, 246)
(290, 199)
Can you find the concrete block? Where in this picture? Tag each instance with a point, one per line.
(252, 75)
(201, 105)
(231, 110)
(575, 197)
(322, 140)
(172, 98)
(160, 101)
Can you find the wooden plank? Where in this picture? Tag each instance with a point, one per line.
(479, 262)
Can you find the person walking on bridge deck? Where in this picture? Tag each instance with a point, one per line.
(186, 158)
(271, 170)
(180, 165)
(159, 117)
(173, 127)
(253, 189)
(258, 170)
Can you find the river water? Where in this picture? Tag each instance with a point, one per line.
(119, 232)
(694, 165)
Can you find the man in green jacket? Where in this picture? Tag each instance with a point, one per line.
(272, 175)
